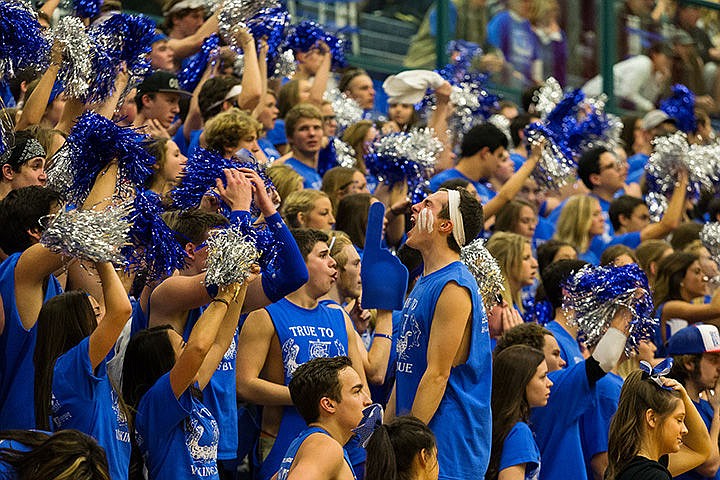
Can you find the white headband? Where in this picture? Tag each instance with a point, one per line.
(456, 217)
(186, 4)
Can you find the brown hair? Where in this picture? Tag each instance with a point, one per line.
(297, 113)
(354, 136)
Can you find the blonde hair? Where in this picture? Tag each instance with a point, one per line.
(302, 201)
(355, 137)
(285, 179)
(540, 10)
(339, 240)
(228, 128)
(335, 181)
(507, 248)
(575, 220)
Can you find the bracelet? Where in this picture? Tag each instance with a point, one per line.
(383, 335)
(221, 300)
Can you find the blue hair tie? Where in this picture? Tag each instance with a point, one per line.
(657, 373)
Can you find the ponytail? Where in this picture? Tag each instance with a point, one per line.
(393, 448)
(380, 463)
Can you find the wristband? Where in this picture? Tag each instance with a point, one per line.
(383, 335)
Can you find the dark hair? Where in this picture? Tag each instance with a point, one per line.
(589, 164)
(518, 124)
(513, 368)
(555, 276)
(394, 446)
(713, 209)
(314, 380)
(192, 225)
(624, 205)
(528, 98)
(17, 157)
(530, 334)
(65, 454)
(614, 251)
(481, 136)
(27, 75)
(671, 271)
(306, 238)
(138, 99)
(412, 259)
(454, 184)
(212, 94)
(63, 322)
(546, 252)
(685, 233)
(680, 372)
(20, 211)
(149, 355)
(472, 216)
(352, 216)
(627, 425)
(628, 132)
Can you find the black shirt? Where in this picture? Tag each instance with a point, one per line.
(641, 468)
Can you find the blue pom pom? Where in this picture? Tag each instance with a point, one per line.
(271, 24)
(201, 171)
(192, 70)
(93, 143)
(154, 248)
(22, 43)
(120, 38)
(306, 35)
(462, 53)
(681, 107)
(87, 8)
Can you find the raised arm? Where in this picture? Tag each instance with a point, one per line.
(514, 184)
(439, 123)
(375, 360)
(450, 325)
(249, 98)
(256, 336)
(695, 448)
(117, 312)
(194, 120)
(35, 106)
(202, 338)
(107, 108)
(673, 214)
(317, 90)
(187, 46)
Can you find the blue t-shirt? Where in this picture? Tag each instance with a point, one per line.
(268, 149)
(194, 143)
(637, 162)
(17, 346)
(518, 160)
(178, 437)
(276, 136)
(557, 425)
(311, 178)
(630, 239)
(544, 230)
(183, 144)
(519, 447)
(604, 205)
(569, 348)
(483, 190)
(461, 422)
(220, 394)
(595, 423)
(706, 412)
(513, 35)
(84, 400)
(303, 334)
(292, 450)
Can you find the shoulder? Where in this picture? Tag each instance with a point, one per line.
(322, 450)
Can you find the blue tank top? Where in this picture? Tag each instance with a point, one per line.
(17, 346)
(304, 334)
(461, 423)
(292, 450)
(219, 396)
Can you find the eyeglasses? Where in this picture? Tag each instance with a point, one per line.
(329, 118)
(617, 165)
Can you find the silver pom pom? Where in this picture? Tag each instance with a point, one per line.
(235, 13)
(59, 175)
(553, 171)
(548, 97)
(285, 65)
(76, 67)
(710, 237)
(502, 123)
(420, 146)
(344, 154)
(239, 65)
(347, 111)
(466, 102)
(486, 271)
(91, 235)
(230, 257)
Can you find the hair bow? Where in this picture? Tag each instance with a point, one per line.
(657, 374)
(372, 419)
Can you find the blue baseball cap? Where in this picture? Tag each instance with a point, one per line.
(695, 340)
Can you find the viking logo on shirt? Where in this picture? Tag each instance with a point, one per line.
(195, 434)
(290, 352)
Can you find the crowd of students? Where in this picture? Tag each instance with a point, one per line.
(360, 303)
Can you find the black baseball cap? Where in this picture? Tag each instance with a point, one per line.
(161, 81)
